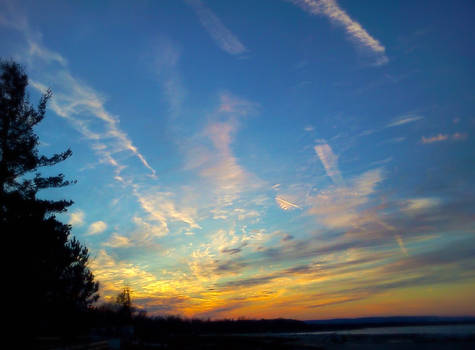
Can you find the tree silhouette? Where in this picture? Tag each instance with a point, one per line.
(57, 281)
(124, 303)
(123, 298)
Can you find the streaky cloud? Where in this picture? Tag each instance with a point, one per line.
(338, 16)
(223, 37)
(210, 154)
(165, 57)
(330, 162)
(12, 19)
(404, 120)
(43, 53)
(436, 138)
(286, 205)
(162, 209)
(401, 244)
(418, 205)
(444, 137)
(74, 101)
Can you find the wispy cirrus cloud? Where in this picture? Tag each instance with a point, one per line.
(339, 207)
(285, 204)
(44, 54)
(78, 102)
(418, 205)
(405, 119)
(223, 37)
(224, 170)
(164, 61)
(210, 154)
(162, 209)
(73, 99)
(436, 138)
(444, 137)
(339, 17)
(35, 49)
(329, 161)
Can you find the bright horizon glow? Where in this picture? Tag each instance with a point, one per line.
(304, 159)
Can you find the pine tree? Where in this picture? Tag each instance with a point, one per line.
(56, 279)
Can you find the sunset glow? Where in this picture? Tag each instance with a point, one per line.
(304, 159)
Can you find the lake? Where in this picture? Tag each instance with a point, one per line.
(462, 329)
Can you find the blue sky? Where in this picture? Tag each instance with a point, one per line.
(301, 158)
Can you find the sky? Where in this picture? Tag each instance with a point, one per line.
(304, 159)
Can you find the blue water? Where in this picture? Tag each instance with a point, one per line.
(464, 329)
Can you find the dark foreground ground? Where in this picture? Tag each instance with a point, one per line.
(313, 341)
(174, 334)
(329, 341)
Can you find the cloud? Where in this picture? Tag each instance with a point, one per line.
(96, 228)
(444, 137)
(401, 244)
(76, 218)
(76, 102)
(162, 209)
(222, 169)
(249, 282)
(164, 64)
(113, 274)
(118, 241)
(148, 230)
(244, 214)
(417, 205)
(235, 105)
(222, 36)
(330, 162)
(286, 205)
(140, 240)
(43, 53)
(459, 136)
(73, 99)
(225, 240)
(437, 138)
(395, 139)
(335, 302)
(338, 207)
(287, 238)
(210, 154)
(339, 17)
(209, 263)
(404, 120)
(12, 19)
(461, 251)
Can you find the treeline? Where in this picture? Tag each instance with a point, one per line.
(152, 328)
(120, 318)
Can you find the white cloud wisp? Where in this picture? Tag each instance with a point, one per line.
(339, 17)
